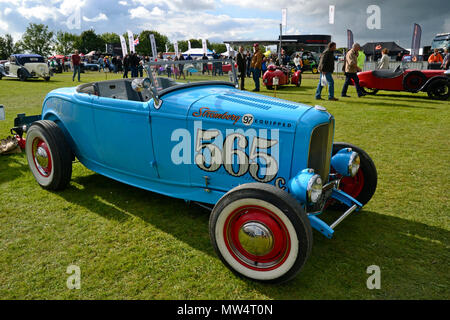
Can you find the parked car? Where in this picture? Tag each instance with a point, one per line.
(285, 75)
(90, 66)
(436, 83)
(25, 66)
(265, 167)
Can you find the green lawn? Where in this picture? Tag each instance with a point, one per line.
(135, 244)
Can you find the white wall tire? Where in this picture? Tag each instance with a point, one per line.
(261, 233)
(48, 154)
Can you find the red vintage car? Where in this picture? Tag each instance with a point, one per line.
(284, 75)
(435, 83)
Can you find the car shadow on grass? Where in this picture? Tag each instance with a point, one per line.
(412, 256)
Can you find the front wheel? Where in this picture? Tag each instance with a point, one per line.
(22, 76)
(49, 155)
(261, 232)
(363, 185)
(439, 89)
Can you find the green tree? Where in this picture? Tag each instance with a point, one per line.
(64, 43)
(8, 47)
(218, 47)
(110, 37)
(37, 39)
(144, 47)
(89, 41)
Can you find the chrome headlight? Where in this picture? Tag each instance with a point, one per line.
(314, 189)
(306, 186)
(346, 162)
(353, 165)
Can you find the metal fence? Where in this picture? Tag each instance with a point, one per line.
(421, 65)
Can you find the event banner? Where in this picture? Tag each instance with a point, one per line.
(204, 46)
(228, 48)
(131, 40)
(175, 46)
(189, 45)
(331, 14)
(153, 45)
(349, 39)
(123, 43)
(284, 17)
(415, 45)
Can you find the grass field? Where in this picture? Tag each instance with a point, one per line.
(134, 244)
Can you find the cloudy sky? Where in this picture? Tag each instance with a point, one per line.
(231, 19)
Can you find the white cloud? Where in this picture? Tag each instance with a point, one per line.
(123, 3)
(101, 17)
(41, 13)
(139, 12)
(7, 11)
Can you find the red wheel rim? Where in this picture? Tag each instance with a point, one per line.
(42, 157)
(257, 238)
(353, 185)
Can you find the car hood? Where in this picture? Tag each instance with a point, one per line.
(233, 105)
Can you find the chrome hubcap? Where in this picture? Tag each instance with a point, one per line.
(256, 238)
(41, 157)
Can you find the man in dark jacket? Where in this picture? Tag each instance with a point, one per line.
(242, 66)
(126, 66)
(326, 68)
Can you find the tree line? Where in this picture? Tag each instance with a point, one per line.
(38, 39)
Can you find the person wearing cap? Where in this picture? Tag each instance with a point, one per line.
(256, 65)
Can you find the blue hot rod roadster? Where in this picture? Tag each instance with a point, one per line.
(267, 168)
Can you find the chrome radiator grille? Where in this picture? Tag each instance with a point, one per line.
(320, 148)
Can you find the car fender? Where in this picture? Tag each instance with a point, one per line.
(24, 70)
(429, 81)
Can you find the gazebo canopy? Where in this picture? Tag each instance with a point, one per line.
(371, 48)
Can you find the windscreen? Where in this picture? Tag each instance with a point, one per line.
(169, 74)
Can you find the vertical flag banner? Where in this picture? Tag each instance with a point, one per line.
(189, 45)
(228, 48)
(415, 45)
(131, 40)
(331, 14)
(153, 45)
(284, 17)
(167, 48)
(123, 43)
(204, 46)
(349, 39)
(175, 46)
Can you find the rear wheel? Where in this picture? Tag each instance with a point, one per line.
(269, 87)
(413, 81)
(49, 155)
(363, 185)
(369, 91)
(261, 232)
(439, 89)
(47, 78)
